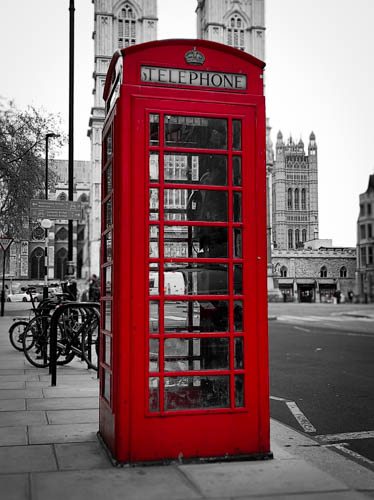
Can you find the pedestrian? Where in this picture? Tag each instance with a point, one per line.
(94, 289)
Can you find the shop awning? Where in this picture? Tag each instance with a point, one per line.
(285, 281)
(326, 281)
(305, 281)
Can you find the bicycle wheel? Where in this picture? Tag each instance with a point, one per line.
(64, 352)
(90, 340)
(35, 342)
(16, 334)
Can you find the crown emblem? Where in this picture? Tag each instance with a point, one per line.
(194, 57)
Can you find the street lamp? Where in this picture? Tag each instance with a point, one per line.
(46, 223)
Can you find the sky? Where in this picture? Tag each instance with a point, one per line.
(319, 77)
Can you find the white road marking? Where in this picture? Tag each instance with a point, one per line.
(301, 328)
(353, 454)
(345, 436)
(336, 319)
(300, 417)
(277, 399)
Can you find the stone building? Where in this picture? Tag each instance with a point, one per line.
(315, 273)
(117, 24)
(294, 193)
(365, 245)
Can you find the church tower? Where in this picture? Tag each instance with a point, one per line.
(294, 193)
(238, 23)
(117, 24)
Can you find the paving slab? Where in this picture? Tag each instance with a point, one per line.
(62, 403)
(18, 378)
(72, 416)
(12, 404)
(78, 456)
(71, 379)
(335, 495)
(12, 371)
(20, 393)
(13, 436)
(70, 392)
(19, 459)
(69, 433)
(141, 483)
(12, 385)
(21, 418)
(253, 478)
(14, 486)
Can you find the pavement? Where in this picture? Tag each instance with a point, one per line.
(49, 451)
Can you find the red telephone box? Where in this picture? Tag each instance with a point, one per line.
(184, 354)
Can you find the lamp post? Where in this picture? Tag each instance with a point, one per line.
(46, 223)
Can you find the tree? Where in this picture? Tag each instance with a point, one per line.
(22, 162)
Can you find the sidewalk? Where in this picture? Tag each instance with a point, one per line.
(49, 451)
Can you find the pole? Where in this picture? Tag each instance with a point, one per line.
(45, 288)
(3, 288)
(71, 122)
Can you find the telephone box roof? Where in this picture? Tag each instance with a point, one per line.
(149, 47)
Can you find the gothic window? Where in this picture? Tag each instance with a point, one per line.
(296, 199)
(126, 26)
(83, 198)
(62, 197)
(283, 271)
(289, 199)
(303, 199)
(297, 237)
(343, 272)
(60, 263)
(62, 234)
(290, 238)
(323, 272)
(37, 264)
(235, 32)
(303, 237)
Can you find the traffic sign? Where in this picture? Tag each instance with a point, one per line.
(55, 209)
(5, 243)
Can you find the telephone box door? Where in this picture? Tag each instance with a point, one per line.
(197, 353)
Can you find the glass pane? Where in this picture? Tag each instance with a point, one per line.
(195, 279)
(195, 132)
(107, 271)
(108, 213)
(236, 135)
(199, 205)
(196, 316)
(153, 204)
(108, 315)
(107, 349)
(238, 315)
(192, 168)
(237, 208)
(239, 353)
(237, 243)
(106, 382)
(239, 391)
(237, 171)
(197, 354)
(188, 393)
(154, 398)
(108, 179)
(108, 146)
(153, 355)
(153, 279)
(108, 246)
(153, 316)
(153, 242)
(195, 242)
(238, 279)
(153, 167)
(154, 128)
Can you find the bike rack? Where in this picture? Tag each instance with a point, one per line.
(53, 335)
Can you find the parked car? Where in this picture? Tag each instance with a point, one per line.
(21, 296)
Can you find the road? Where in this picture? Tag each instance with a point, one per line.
(322, 376)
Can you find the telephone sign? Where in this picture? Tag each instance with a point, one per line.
(183, 336)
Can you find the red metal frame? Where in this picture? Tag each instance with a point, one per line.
(133, 432)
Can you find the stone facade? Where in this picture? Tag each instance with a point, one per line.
(309, 275)
(118, 24)
(294, 193)
(365, 245)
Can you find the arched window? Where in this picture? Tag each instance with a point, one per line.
(297, 237)
(62, 234)
(60, 263)
(290, 238)
(323, 272)
(303, 199)
(343, 272)
(289, 199)
(283, 271)
(126, 26)
(296, 199)
(303, 237)
(83, 198)
(235, 32)
(62, 197)
(37, 264)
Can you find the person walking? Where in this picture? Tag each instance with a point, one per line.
(94, 289)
